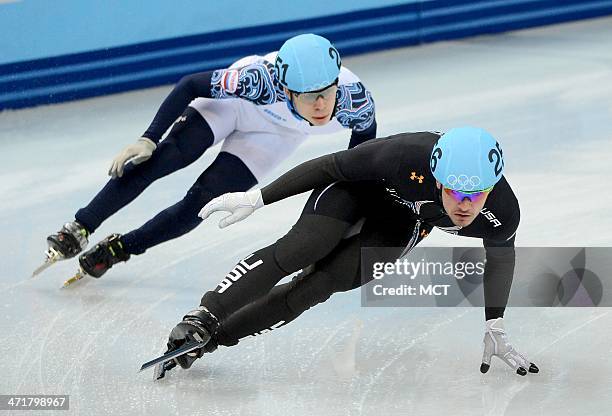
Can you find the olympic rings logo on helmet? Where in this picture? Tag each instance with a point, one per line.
(463, 182)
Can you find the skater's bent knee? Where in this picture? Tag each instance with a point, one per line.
(309, 291)
(310, 239)
(198, 196)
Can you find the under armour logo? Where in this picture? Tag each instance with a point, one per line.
(415, 177)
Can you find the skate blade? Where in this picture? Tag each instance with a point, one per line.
(53, 256)
(78, 276)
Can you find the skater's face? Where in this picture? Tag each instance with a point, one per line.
(462, 208)
(316, 107)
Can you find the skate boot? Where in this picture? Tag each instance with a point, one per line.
(195, 335)
(103, 256)
(65, 244)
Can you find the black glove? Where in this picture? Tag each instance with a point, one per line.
(198, 325)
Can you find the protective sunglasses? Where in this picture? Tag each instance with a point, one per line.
(475, 196)
(311, 97)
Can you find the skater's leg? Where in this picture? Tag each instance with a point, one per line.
(287, 301)
(319, 230)
(226, 174)
(188, 139)
(340, 271)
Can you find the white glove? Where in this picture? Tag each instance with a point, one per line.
(240, 204)
(135, 153)
(496, 343)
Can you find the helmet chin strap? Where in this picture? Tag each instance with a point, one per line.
(438, 195)
(294, 111)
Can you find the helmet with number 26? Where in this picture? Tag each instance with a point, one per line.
(467, 159)
(307, 63)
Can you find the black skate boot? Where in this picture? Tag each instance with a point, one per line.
(103, 256)
(65, 244)
(194, 336)
(70, 240)
(198, 325)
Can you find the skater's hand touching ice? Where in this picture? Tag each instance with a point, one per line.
(135, 153)
(239, 204)
(496, 344)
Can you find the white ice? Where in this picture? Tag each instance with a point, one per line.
(546, 93)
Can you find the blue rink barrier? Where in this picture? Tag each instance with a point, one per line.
(100, 72)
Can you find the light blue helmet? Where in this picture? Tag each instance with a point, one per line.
(307, 63)
(467, 159)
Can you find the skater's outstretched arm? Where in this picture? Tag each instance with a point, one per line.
(376, 160)
(188, 88)
(362, 136)
(253, 82)
(497, 281)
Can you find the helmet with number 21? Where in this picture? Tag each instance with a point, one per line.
(307, 63)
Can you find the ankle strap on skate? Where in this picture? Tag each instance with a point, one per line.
(204, 317)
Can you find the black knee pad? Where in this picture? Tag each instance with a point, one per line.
(309, 240)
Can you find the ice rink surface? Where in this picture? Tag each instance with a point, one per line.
(545, 93)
